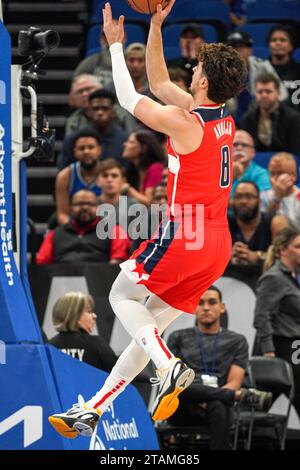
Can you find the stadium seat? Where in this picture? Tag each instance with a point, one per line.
(119, 7)
(258, 31)
(263, 158)
(275, 375)
(296, 55)
(172, 52)
(134, 33)
(274, 10)
(261, 51)
(171, 33)
(213, 12)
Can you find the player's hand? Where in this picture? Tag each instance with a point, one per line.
(114, 32)
(161, 14)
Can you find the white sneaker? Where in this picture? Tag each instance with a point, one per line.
(172, 382)
(77, 420)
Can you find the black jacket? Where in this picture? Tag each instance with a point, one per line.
(285, 130)
(87, 348)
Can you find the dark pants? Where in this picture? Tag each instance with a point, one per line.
(283, 349)
(217, 416)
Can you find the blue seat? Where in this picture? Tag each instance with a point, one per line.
(296, 55)
(263, 158)
(119, 7)
(258, 31)
(172, 52)
(213, 11)
(273, 10)
(134, 33)
(171, 33)
(261, 51)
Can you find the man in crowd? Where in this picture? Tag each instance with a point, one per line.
(82, 174)
(78, 240)
(191, 37)
(252, 232)
(219, 358)
(242, 42)
(103, 121)
(284, 197)
(274, 126)
(244, 168)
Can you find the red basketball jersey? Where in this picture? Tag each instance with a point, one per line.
(205, 175)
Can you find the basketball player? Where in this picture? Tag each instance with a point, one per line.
(168, 271)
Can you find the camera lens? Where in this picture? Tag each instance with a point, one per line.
(47, 40)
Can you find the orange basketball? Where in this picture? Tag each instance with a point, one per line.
(146, 6)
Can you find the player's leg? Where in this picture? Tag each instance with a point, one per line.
(131, 362)
(134, 359)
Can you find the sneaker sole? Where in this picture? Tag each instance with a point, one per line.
(83, 429)
(170, 402)
(62, 428)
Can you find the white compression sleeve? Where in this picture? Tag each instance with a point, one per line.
(127, 96)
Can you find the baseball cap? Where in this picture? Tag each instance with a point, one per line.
(192, 28)
(239, 38)
(135, 47)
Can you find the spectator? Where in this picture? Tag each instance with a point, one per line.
(98, 64)
(243, 44)
(112, 180)
(81, 88)
(180, 77)
(274, 126)
(79, 242)
(145, 158)
(219, 358)
(244, 168)
(135, 57)
(74, 318)
(252, 232)
(277, 310)
(153, 217)
(282, 45)
(103, 121)
(284, 197)
(191, 37)
(84, 174)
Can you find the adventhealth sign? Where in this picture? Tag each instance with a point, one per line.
(16, 318)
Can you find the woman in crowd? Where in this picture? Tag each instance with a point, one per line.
(145, 157)
(277, 311)
(74, 318)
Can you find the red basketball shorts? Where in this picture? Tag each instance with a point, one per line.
(173, 271)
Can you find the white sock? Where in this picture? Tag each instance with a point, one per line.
(148, 338)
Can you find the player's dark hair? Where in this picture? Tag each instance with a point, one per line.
(225, 70)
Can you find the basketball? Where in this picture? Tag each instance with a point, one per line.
(146, 6)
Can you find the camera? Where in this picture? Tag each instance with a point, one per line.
(34, 44)
(34, 40)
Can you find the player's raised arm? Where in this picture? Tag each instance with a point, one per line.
(175, 121)
(157, 72)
